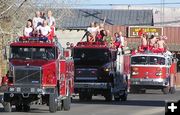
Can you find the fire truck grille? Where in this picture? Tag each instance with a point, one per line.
(27, 75)
(86, 73)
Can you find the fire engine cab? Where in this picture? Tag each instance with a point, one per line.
(97, 71)
(153, 71)
(38, 71)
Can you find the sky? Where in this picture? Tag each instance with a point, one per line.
(94, 3)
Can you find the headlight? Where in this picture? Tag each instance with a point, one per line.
(160, 80)
(158, 73)
(107, 69)
(11, 89)
(135, 73)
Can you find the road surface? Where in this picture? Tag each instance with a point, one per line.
(151, 103)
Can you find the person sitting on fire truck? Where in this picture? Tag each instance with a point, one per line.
(107, 38)
(144, 43)
(152, 41)
(100, 34)
(51, 23)
(44, 30)
(28, 30)
(37, 20)
(42, 15)
(155, 48)
(161, 44)
(92, 29)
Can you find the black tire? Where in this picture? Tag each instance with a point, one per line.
(81, 97)
(59, 106)
(67, 103)
(7, 106)
(26, 108)
(142, 91)
(53, 103)
(89, 97)
(134, 89)
(116, 97)
(166, 90)
(124, 96)
(108, 97)
(19, 107)
(172, 90)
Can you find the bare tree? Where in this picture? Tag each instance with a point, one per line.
(14, 13)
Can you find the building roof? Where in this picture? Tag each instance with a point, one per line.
(81, 18)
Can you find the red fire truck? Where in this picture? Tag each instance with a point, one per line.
(98, 71)
(38, 70)
(153, 71)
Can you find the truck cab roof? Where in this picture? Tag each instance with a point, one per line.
(96, 45)
(35, 44)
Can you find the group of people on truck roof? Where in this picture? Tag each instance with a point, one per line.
(97, 33)
(40, 26)
(152, 43)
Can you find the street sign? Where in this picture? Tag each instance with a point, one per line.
(133, 31)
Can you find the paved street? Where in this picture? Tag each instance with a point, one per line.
(151, 103)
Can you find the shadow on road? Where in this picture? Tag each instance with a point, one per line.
(157, 103)
(33, 110)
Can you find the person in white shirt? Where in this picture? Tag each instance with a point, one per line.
(92, 29)
(50, 19)
(44, 30)
(28, 30)
(37, 20)
(122, 39)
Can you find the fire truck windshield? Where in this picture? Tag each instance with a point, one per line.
(150, 60)
(47, 53)
(91, 56)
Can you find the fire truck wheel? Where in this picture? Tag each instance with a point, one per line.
(82, 96)
(18, 107)
(59, 106)
(117, 97)
(52, 103)
(26, 108)
(67, 103)
(142, 91)
(133, 90)
(124, 96)
(172, 90)
(89, 97)
(7, 106)
(166, 90)
(108, 97)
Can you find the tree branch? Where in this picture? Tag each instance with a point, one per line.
(6, 10)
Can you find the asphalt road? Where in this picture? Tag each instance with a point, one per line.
(151, 103)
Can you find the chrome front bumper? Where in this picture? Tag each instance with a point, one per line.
(149, 82)
(91, 85)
